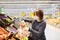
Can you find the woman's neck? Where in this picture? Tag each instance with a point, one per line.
(39, 20)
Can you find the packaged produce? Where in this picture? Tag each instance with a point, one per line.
(23, 31)
(3, 33)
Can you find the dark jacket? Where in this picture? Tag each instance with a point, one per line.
(37, 30)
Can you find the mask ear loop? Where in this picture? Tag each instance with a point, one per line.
(35, 13)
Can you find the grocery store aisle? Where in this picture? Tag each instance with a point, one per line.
(52, 33)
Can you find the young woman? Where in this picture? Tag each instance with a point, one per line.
(38, 26)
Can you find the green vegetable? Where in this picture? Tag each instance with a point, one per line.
(24, 38)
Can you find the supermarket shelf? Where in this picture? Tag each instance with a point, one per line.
(29, 2)
(53, 26)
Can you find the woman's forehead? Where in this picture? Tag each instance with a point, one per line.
(36, 13)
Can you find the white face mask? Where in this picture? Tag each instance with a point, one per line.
(35, 18)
